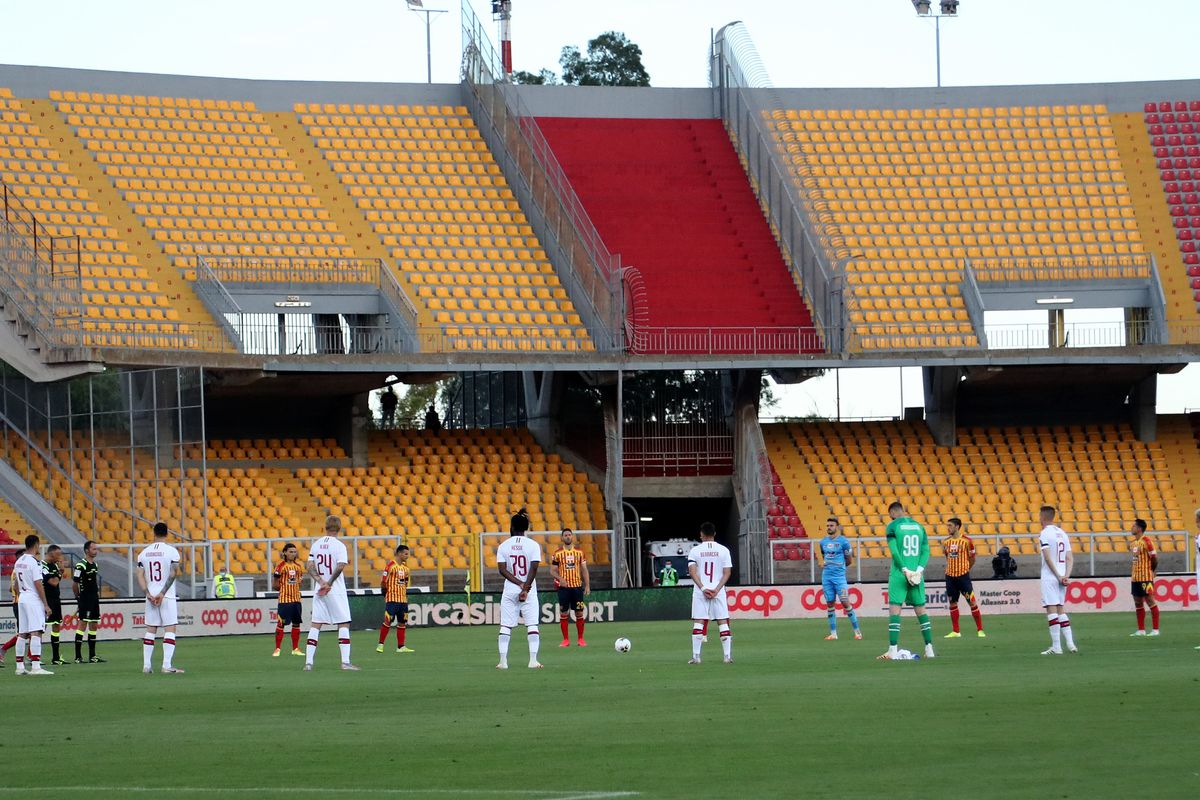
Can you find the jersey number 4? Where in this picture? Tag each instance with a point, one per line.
(910, 547)
(710, 571)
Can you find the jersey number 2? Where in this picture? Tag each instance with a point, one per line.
(911, 546)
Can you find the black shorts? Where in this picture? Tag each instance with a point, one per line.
(1142, 589)
(396, 611)
(570, 598)
(958, 586)
(55, 611)
(289, 613)
(89, 608)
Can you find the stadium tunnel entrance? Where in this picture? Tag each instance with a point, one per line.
(664, 518)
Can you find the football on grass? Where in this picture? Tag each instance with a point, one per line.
(622, 645)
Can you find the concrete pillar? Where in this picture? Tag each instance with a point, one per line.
(353, 428)
(941, 403)
(543, 400)
(1143, 399)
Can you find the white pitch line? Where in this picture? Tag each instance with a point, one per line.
(547, 794)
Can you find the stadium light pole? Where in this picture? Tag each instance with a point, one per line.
(418, 6)
(949, 9)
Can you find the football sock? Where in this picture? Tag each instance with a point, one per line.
(54, 641)
(1154, 616)
(853, 617)
(278, 636)
(565, 624)
(79, 643)
(314, 635)
(893, 629)
(168, 650)
(91, 644)
(535, 641)
(926, 628)
(344, 643)
(21, 645)
(295, 637)
(147, 649)
(383, 632)
(1064, 625)
(954, 617)
(580, 621)
(978, 616)
(831, 613)
(505, 635)
(1141, 618)
(1055, 640)
(704, 632)
(401, 630)
(697, 640)
(35, 651)
(726, 639)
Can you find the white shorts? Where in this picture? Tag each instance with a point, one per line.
(332, 609)
(163, 615)
(31, 615)
(511, 608)
(1053, 592)
(703, 608)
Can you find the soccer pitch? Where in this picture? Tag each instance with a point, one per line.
(794, 716)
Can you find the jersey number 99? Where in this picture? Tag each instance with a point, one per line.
(911, 546)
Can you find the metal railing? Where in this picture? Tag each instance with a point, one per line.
(1062, 268)
(749, 340)
(293, 270)
(1084, 545)
(753, 487)
(591, 273)
(745, 101)
(1042, 336)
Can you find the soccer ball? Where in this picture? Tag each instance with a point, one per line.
(622, 645)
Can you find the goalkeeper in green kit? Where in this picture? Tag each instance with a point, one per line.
(909, 547)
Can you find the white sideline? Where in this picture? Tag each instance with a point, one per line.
(542, 794)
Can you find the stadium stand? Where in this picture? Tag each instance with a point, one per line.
(670, 196)
(905, 195)
(206, 177)
(994, 479)
(784, 527)
(273, 449)
(12, 524)
(429, 187)
(119, 302)
(1172, 127)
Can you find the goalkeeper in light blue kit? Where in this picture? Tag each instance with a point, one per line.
(836, 555)
(909, 547)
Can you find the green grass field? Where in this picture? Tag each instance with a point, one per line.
(794, 716)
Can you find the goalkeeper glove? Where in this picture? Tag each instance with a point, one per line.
(913, 576)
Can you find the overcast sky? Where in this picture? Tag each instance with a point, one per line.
(802, 43)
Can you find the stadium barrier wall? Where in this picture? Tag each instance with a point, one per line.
(124, 619)
(1020, 596)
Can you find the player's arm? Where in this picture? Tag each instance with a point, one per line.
(970, 554)
(529, 581)
(1050, 561)
(587, 579)
(923, 557)
(1070, 565)
(894, 549)
(41, 590)
(1153, 556)
(694, 572)
(276, 582)
(848, 553)
(171, 578)
(554, 569)
(141, 579)
(76, 574)
(502, 567)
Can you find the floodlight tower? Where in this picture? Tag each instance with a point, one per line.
(419, 7)
(949, 10)
(502, 13)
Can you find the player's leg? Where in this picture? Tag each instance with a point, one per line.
(952, 595)
(1150, 601)
(969, 593)
(830, 591)
(169, 617)
(923, 621)
(1139, 609)
(385, 628)
(148, 641)
(1055, 631)
(700, 617)
(848, 607)
(719, 609)
(314, 636)
(533, 634)
(81, 626)
(280, 624)
(402, 629)
(897, 594)
(93, 621)
(580, 615)
(1065, 629)
(55, 625)
(34, 654)
(509, 612)
(22, 648)
(340, 605)
(564, 615)
(297, 621)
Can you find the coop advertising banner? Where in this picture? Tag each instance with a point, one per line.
(125, 619)
(1174, 592)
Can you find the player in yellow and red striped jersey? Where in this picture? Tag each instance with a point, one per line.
(288, 574)
(960, 557)
(1145, 564)
(569, 569)
(395, 600)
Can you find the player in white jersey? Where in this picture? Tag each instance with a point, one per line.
(327, 561)
(1057, 561)
(517, 559)
(710, 565)
(33, 610)
(158, 569)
